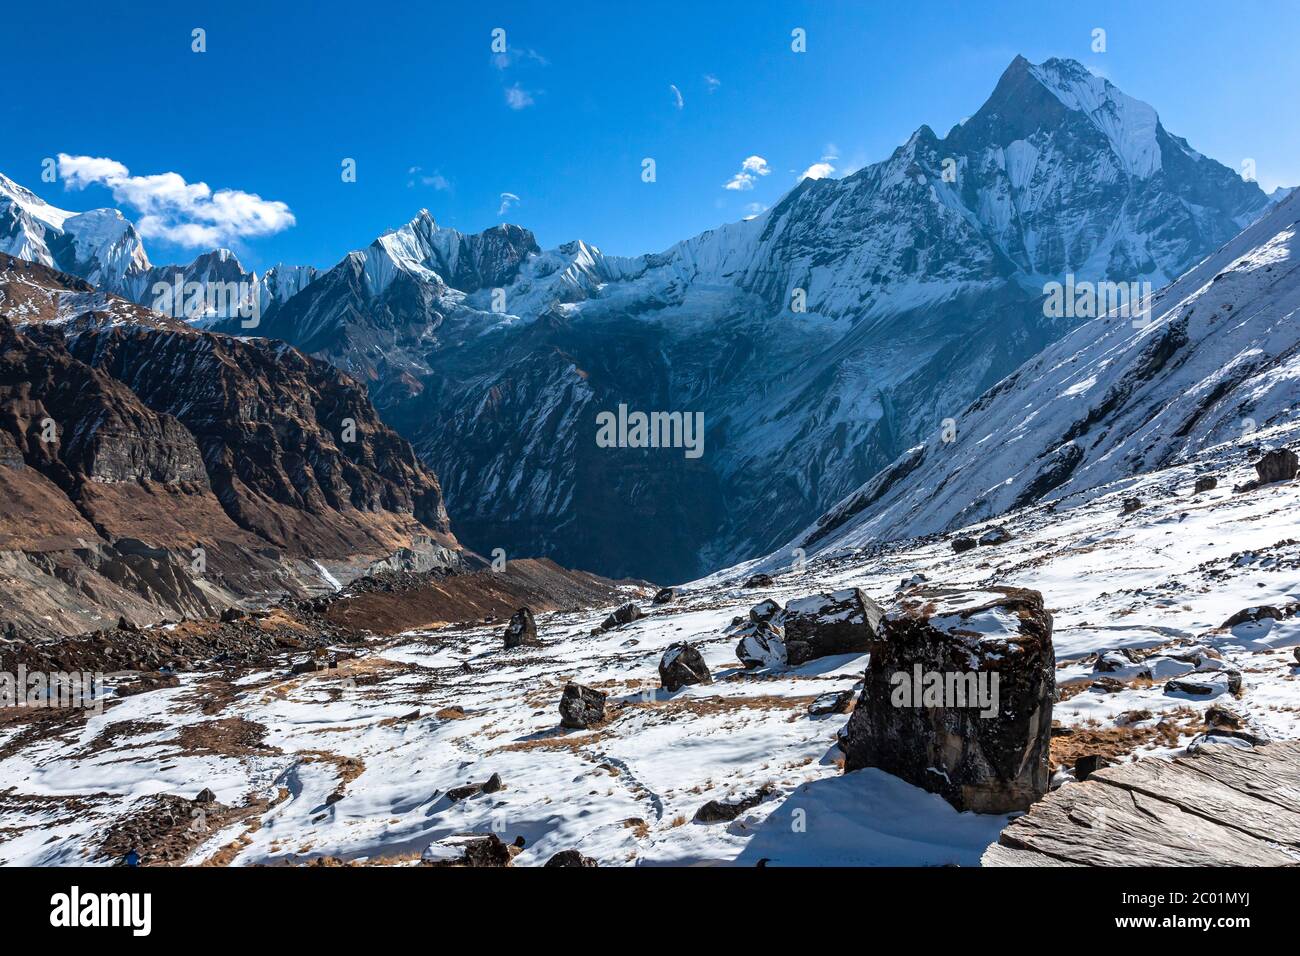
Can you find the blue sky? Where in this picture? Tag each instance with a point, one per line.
(286, 91)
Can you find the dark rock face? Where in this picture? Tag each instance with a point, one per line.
(626, 614)
(960, 545)
(931, 712)
(570, 858)
(1280, 464)
(839, 622)
(580, 707)
(1205, 483)
(1089, 764)
(718, 811)
(664, 596)
(683, 664)
(521, 630)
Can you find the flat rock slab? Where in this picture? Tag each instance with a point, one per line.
(1224, 806)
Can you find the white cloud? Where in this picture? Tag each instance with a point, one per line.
(711, 81)
(750, 169)
(817, 171)
(518, 98)
(754, 208)
(503, 61)
(507, 200)
(435, 179)
(677, 96)
(189, 214)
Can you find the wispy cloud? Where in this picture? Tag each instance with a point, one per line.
(754, 209)
(514, 55)
(750, 170)
(435, 179)
(189, 214)
(823, 169)
(507, 201)
(711, 82)
(677, 96)
(518, 98)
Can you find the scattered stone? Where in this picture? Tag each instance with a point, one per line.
(205, 796)
(456, 794)
(998, 534)
(522, 629)
(1206, 685)
(955, 642)
(963, 544)
(232, 614)
(626, 614)
(1089, 764)
(493, 784)
(1109, 661)
(1133, 716)
(1218, 716)
(838, 622)
(832, 702)
(570, 858)
(758, 581)
(1205, 483)
(1106, 685)
(1131, 505)
(914, 581)
(718, 811)
(1253, 615)
(664, 596)
(472, 849)
(762, 611)
(580, 707)
(683, 664)
(309, 666)
(762, 644)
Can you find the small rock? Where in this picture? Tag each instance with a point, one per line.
(1205, 483)
(683, 664)
(467, 850)
(626, 614)
(963, 544)
(762, 611)
(717, 811)
(205, 796)
(832, 702)
(758, 581)
(998, 534)
(493, 784)
(1216, 715)
(580, 707)
(570, 858)
(456, 794)
(762, 644)
(1109, 661)
(664, 596)
(1131, 505)
(1253, 615)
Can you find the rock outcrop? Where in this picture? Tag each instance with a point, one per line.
(683, 664)
(957, 697)
(522, 630)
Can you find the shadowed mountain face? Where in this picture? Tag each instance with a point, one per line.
(148, 469)
(818, 340)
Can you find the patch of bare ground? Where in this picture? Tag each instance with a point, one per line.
(227, 736)
(1121, 741)
(113, 735)
(37, 724)
(165, 829)
(556, 739)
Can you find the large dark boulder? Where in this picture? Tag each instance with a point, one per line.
(522, 630)
(662, 596)
(957, 697)
(962, 544)
(471, 849)
(1280, 464)
(683, 664)
(838, 622)
(580, 706)
(1205, 483)
(762, 644)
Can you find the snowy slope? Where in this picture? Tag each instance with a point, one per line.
(355, 763)
(1219, 362)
